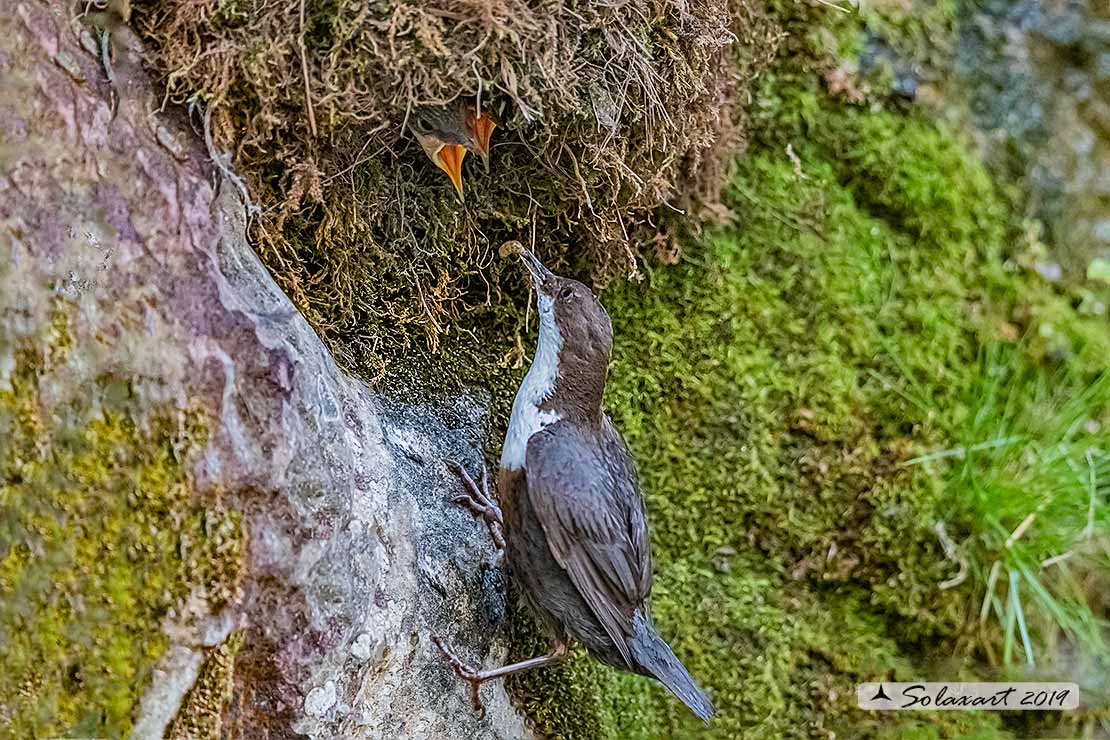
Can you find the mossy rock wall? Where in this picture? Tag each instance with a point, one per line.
(780, 389)
(205, 527)
(844, 406)
(845, 403)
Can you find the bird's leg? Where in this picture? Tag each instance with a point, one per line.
(476, 678)
(477, 498)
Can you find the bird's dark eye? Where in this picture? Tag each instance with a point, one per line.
(566, 293)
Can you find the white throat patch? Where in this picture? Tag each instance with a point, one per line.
(527, 417)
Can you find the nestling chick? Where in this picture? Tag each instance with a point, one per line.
(572, 521)
(447, 132)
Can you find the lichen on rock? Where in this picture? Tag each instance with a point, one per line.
(103, 535)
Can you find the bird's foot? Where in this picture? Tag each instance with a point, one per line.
(466, 672)
(478, 500)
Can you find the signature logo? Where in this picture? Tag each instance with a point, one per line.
(893, 695)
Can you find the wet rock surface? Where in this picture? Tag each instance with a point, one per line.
(1038, 79)
(352, 554)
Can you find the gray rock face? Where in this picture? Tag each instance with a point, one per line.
(1038, 75)
(355, 555)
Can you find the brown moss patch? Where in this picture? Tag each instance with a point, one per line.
(609, 111)
(201, 713)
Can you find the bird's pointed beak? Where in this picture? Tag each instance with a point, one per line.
(450, 159)
(483, 132)
(540, 274)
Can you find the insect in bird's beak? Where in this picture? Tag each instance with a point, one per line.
(541, 276)
(483, 127)
(450, 159)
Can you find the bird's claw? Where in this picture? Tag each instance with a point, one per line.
(478, 507)
(466, 672)
(478, 501)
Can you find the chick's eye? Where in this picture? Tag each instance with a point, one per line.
(566, 292)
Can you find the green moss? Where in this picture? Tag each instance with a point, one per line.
(562, 702)
(100, 534)
(804, 298)
(777, 388)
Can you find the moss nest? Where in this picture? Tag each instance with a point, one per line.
(611, 115)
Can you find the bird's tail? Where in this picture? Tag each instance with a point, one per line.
(656, 658)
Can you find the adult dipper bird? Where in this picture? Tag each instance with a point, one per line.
(447, 132)
(574, 529)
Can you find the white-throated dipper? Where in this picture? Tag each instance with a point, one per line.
(574, 528)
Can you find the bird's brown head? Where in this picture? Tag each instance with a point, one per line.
(574, 326)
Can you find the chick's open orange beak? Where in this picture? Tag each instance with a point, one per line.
(450, 159)
(483, 130)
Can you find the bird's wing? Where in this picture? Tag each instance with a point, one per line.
(582, 486)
